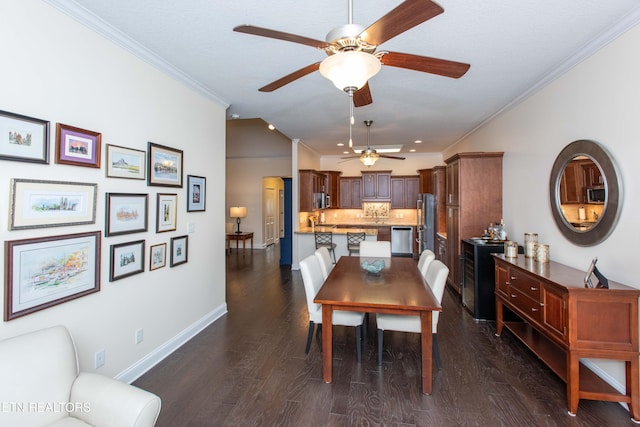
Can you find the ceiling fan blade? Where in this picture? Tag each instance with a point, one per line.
(290, 77)
(362, 96)
(280, 35)
(391, 157)
(425, 64)
(404, 17)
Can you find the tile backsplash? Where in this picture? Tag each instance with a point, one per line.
(375, 210)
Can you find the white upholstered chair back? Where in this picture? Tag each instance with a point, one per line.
(425, 259)
(324, 257)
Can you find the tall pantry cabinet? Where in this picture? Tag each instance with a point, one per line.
(474, 199)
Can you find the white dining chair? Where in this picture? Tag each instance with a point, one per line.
(425, 259)
(375, 248)
(436, 278)
(312, 279)
(326, 265)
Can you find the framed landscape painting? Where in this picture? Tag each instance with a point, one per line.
(164, 166)
(37, 204)
(46, 271)
(23, 138)
(126, 259)
(78, 147)
(158, 256)
(125, 162)
(125, 213)
(179, 250)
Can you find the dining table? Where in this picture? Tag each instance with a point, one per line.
(398, 288)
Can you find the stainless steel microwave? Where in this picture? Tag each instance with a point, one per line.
(596, 194)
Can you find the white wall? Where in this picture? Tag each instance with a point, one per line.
(244, 188)
(596, 100)
(56, 69)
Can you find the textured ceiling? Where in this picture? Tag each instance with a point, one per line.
(513, 46)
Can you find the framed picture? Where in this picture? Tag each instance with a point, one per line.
(196, 193)
(164, 166)
(125, 162)
(167, 211)
(46, 271)
(24, 139)
(37, 204)
(158, 256)
(179, 249)
(125, 213)
(78, 147)
(126, 259)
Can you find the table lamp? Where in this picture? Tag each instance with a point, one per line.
(238, 212)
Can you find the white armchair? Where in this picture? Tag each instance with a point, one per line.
(41, 386)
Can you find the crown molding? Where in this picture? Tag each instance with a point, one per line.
(625, 24)
(95, 23)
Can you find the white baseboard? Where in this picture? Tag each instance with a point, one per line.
(139, 368)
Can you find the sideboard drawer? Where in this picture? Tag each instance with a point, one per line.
(525, 284)
(529, 307)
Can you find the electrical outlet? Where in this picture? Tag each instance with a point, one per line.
(99, 359)
(139, 335)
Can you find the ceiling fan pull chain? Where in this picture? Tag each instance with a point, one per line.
(351, 120)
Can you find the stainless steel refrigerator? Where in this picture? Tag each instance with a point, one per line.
(426, 206)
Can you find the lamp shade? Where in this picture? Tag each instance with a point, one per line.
(350, 69)
(238, 212)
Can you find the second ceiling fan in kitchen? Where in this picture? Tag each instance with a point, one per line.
(351, 49)
(369, 156)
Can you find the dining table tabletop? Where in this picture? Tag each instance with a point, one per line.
(398, 288)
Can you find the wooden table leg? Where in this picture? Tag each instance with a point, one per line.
(427, 351)
(327, 343)
(633, 385)
(573, 382)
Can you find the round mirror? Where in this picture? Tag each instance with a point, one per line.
(585, 193)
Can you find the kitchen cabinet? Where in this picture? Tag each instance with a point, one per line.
(571, 184)
(565, 322)
(439, 190)
(311, 183)
(578, 175)
(332, 187)
(350, 193)
(384, 232)
(425, 177)
(474, 199)
(404, 192)
(376, 186)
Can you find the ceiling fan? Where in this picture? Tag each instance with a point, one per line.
(352, 43)
(369, 156)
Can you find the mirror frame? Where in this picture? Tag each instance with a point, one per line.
(605, 225)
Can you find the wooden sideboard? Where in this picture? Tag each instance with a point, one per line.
(564, 321)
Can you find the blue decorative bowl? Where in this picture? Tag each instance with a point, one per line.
(373, 266)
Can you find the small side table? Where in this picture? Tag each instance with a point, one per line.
(244, 236)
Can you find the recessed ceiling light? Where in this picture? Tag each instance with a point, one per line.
(271, 127)
(418, 141)
(340, 144)
(413, 150)
(345, 152)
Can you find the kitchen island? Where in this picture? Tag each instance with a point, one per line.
(307, 243)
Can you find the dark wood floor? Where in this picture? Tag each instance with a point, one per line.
(249, 369)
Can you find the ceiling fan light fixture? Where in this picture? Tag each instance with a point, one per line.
(369, 157)
(350, 69)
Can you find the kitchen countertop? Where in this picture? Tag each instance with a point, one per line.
(336, 230)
